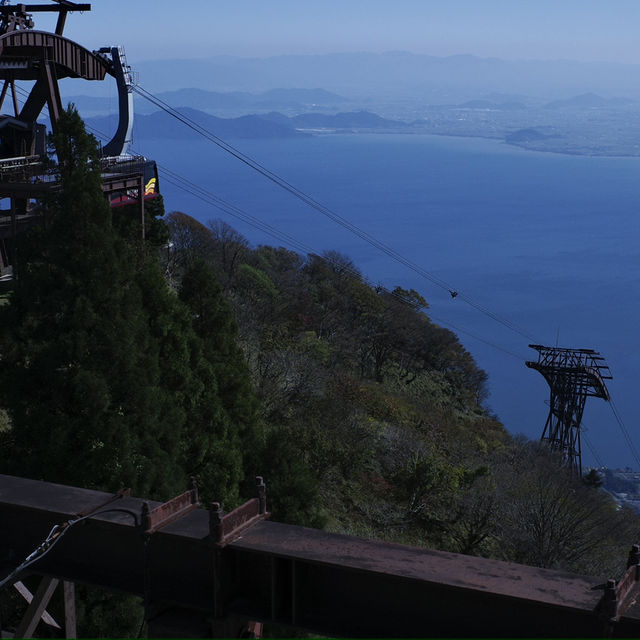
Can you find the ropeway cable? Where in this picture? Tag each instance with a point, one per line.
(334, 216)
(199, 192)
(625, 432)
(594, 453)
(210, 198)
(55, 535)
(284, 184)
(196, 190)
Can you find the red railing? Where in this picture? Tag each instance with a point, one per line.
(225, 527)
(167, 512)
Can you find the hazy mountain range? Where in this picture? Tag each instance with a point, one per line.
(397, 75)
(561, 106)
(587, 124)
(160, 125)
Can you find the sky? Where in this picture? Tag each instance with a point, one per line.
(587, 30)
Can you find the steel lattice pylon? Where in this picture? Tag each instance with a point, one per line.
(572, 375)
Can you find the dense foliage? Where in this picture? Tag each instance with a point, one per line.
(109, 378)
(375, 420)
(131, 363)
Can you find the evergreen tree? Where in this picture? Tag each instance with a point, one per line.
(105, 382)
(102, 372)
(73, 334)
(213, 323)
(222, 357)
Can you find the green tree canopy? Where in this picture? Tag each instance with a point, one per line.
(102, 371)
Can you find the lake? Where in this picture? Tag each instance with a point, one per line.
(545, 241)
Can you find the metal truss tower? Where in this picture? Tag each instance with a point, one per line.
(573, 375)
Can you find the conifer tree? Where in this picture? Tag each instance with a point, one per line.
(102, 372)
(105, 381)
(213, 323)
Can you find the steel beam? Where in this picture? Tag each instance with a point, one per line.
(270, 572)
(69, 596)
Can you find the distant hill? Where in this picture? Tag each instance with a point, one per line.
(339, 121)
(439, 80)
(526, 135)
(505, 97)
(273, 99)
(299, 96)
(352, 120)
(160, 125)
(589, 101)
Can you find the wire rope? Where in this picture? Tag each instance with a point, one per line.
(589, 444)
(338, 219)
(194, 189)
(233, 210)
(625, 432)
(210, 198)
(56, 534)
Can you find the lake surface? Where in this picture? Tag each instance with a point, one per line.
(545, 241)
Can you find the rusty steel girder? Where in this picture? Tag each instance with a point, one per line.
(308, 579)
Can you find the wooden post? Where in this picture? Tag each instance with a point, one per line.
(21, 588)
(69, 609)
(35, 610)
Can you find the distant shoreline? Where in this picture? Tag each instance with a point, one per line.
(517, 145)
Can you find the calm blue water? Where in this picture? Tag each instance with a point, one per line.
(548, 242)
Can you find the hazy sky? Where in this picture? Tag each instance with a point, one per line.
(512, 29)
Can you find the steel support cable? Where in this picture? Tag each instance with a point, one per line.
(201, 193)
(290, 188)
(625, 432)
(210, 198)
(56, 534)
(589, 444)
(284, 184)
(196, 190)
(226, 207)
(477, 337)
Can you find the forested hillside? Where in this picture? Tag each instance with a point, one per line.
(131, 363)
(374, 417)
